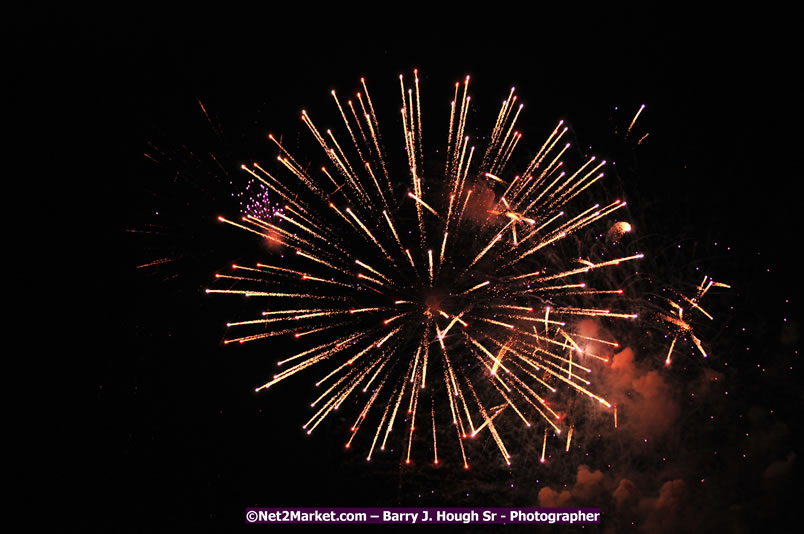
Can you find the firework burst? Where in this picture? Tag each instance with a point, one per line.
(445, 291)
(674, 319)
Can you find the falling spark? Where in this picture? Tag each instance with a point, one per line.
(635, 119)
(544, 445)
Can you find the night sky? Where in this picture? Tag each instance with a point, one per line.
(162, 417)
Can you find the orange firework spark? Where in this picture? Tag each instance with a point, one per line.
(460, 278)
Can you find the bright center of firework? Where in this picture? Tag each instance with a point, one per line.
(433, 301)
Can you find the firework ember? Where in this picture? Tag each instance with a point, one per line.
(449, 282)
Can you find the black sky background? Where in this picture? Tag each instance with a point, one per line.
(162, 419)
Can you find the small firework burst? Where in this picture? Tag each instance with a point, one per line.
(255, 201)
(679, 324)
